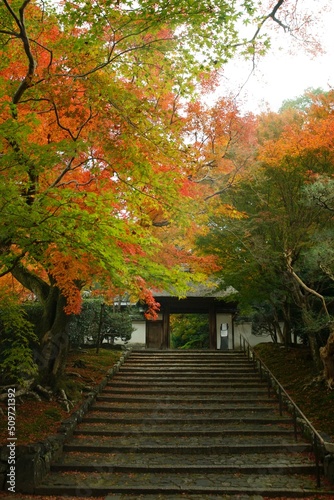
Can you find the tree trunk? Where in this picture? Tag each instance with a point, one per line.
(327, 357)
(99, 339)
(277, 325)
(52, 328)
(314, 350)
(300, 292)
(287, 334)
(54, 338)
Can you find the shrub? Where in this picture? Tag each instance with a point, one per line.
(17, 338)
(99, 320)
(190, 331)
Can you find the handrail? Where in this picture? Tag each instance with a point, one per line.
(318, 440)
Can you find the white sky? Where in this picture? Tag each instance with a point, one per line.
(280, 75)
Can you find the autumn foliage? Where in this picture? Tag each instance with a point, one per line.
(109, 160)
(95, 169)
(276, 251)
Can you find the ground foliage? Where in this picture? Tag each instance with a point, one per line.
(36, 420)
(17, 339)
(294, 369)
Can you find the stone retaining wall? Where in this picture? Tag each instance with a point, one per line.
(33, 461)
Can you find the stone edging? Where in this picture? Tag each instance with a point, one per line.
(33, 461)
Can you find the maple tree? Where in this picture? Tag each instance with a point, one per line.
(92, 98)
(93, 160)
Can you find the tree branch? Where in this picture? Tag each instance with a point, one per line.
(27, 81)
(271, 15)
(32, 282)
(66, 129)
(305, 287)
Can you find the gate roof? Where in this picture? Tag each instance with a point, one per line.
(199, 299)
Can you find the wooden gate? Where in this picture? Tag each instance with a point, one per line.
(155, 335)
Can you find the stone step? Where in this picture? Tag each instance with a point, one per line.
(186, 374)
(158, 459)
(190, 378)
(185, 440)
(146, 420)
(237, 363)
(168, 391)
(184, 384)
(181, 468)
(150, 353)
(185, 370)
(102, 483)
(187, 398)
(188, 357)
(192, 363)
(183, 367)
(176, 415)
(184, 449)
(178, 408)
(103, 429)
(186, 361)
(242, 363)
(179, 357)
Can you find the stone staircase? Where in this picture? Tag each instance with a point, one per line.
(184, 425)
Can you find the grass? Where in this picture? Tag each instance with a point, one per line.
(36, 420)
(294, 369)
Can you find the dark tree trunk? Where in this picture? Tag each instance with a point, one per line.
(301, 299)
(54, 338)
(315, 352)
(287, 324)
(99, 331)
(311, 334)
(52, 328)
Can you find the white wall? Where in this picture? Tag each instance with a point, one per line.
(138, 335)
(245, 329)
